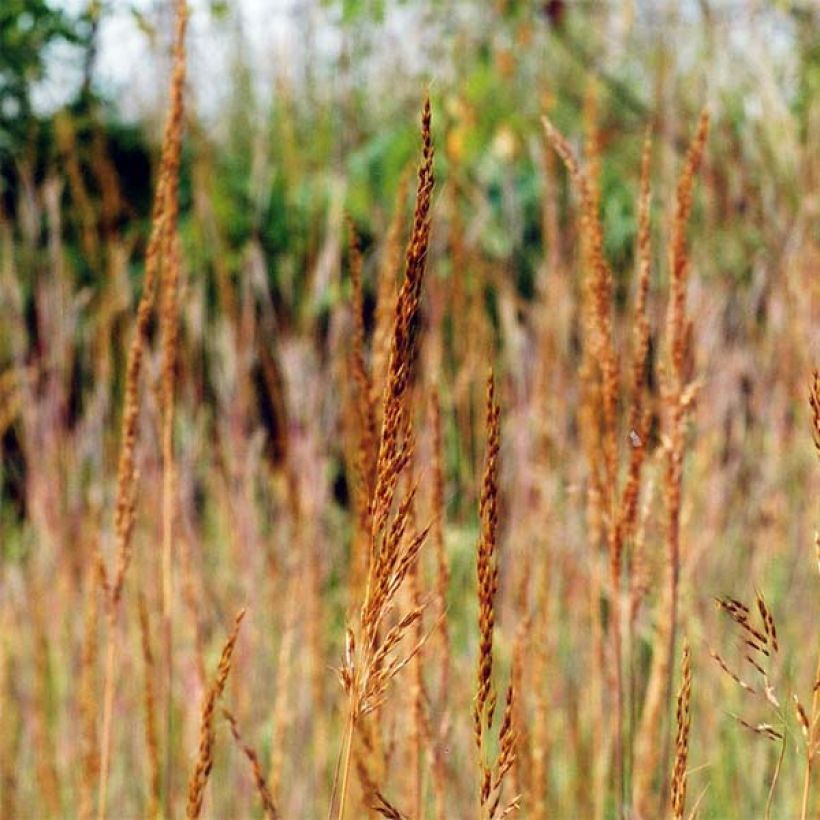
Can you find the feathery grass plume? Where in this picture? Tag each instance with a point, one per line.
(487, 577)
(600, 382)
(491, 776)
(164, 208)
(639, 416)
(268, 806)
(150, 700)
(207, 732)
(418, 694)
(678, 394)
(364, 403)
(169, 329)
(684, 720)
(88, 698)
(386, 292)
(392, 456)
(366, 432)
(733, 675)
(166, 184)
(678, 399)
(760, 649)
(370, 661)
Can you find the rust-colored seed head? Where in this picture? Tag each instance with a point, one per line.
(678, 326)
(392, 458)
(684, 720)
(163, 221)
(487, 569)
(151, 742)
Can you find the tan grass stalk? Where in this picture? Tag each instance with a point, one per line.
(88, 699)
(491, 777)
(487, 576)
(150, 700)
(43, 740)
(684, 720)
(811, 724)
(268, 806)
(600, 402)
(364, 404)
(440, 738)
(392, 457)
(126, 472)
(10, 733)
(418, 695)
(639, 415)
(371, 662)
(207, 732)
(678, 399)
(169, 327)
(519, 774)
(539, 671)
(677, 389)
(189, 597)
(282, 702)
(386, 293)
(365, 455)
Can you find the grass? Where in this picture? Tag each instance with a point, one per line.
(457, 598)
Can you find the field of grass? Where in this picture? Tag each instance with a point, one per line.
(446, 450)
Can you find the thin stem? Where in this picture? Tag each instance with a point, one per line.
(615, 571)
(108, 709)
(804, 810)
(344, 767)
(167, 586)
(775, 777)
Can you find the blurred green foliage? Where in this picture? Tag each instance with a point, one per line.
(346, 127)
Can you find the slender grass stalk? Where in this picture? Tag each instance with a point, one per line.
(127, 473)
(370, 663)
(207, 734)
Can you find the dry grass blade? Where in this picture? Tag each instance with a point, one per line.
(207, 733)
